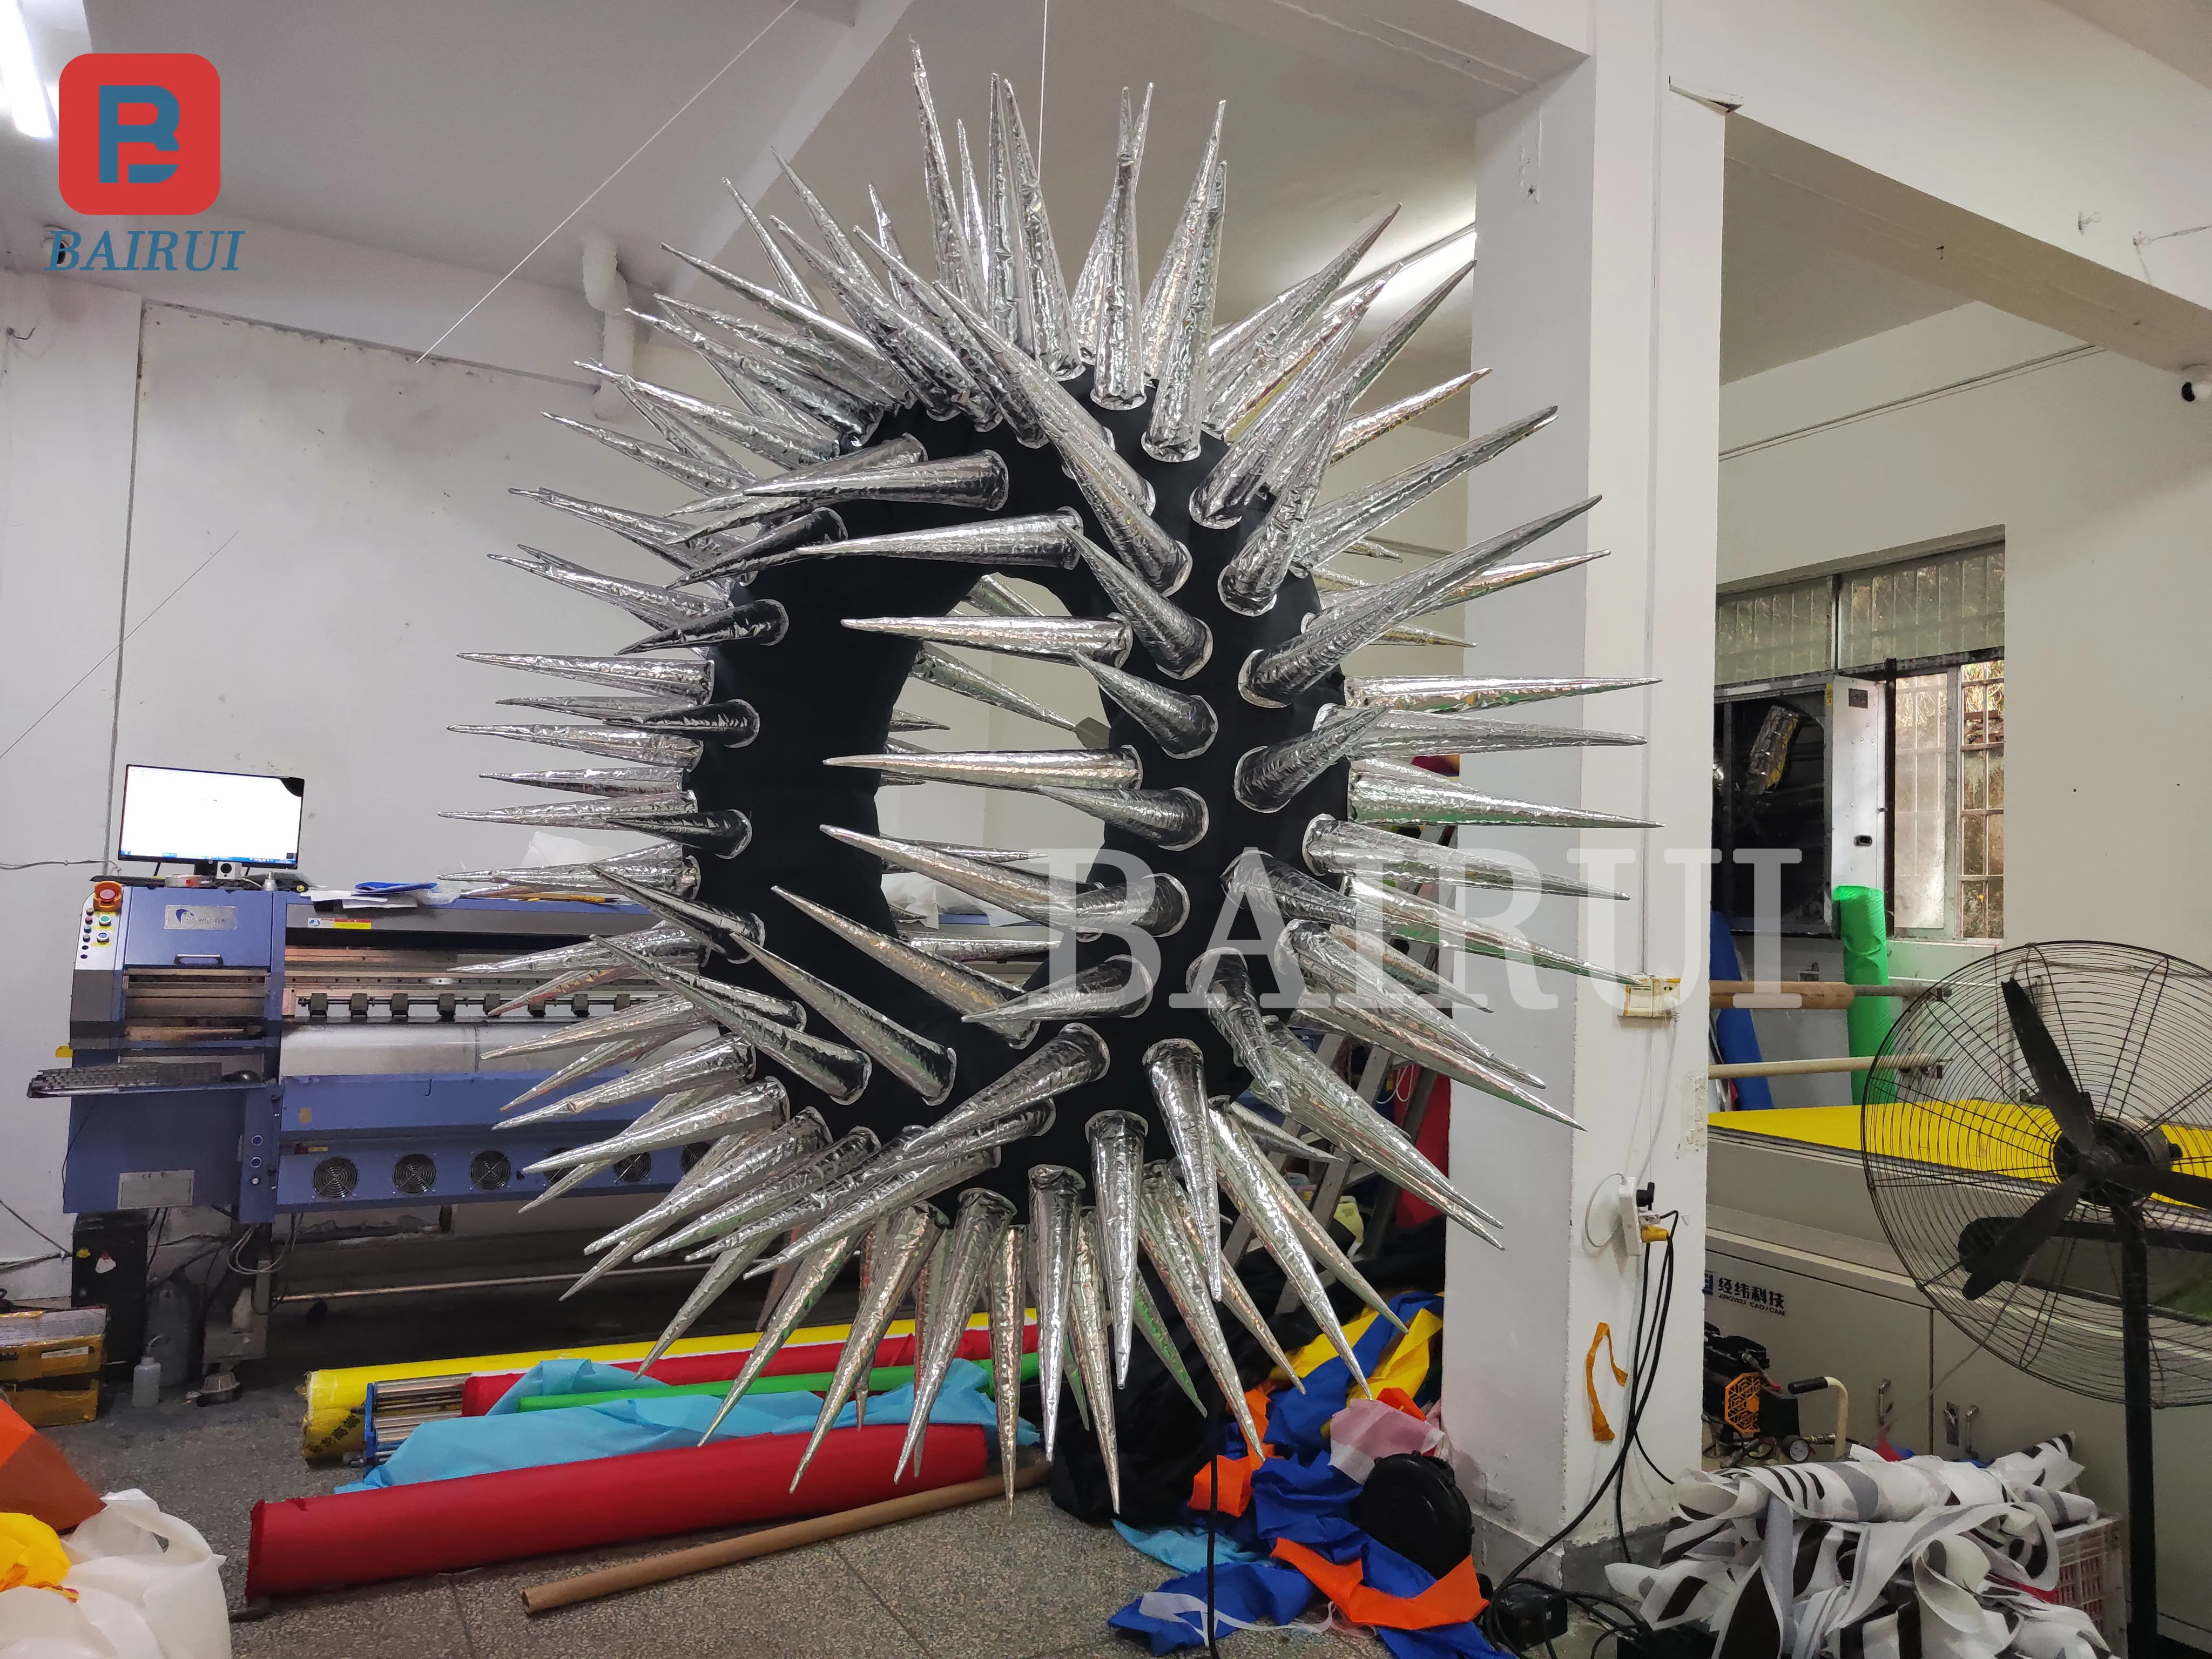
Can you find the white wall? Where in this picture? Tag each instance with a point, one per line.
(2101, 480)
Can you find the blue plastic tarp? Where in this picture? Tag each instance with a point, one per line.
(507, 1437)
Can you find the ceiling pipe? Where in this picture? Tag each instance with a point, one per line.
(609, 294)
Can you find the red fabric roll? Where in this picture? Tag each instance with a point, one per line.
(482, 1391)
(442, 1525)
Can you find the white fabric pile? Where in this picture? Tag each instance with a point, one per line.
(1873, 1559)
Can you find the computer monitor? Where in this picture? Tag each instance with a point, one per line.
(172, 814)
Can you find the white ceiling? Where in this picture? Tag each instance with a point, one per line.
(2178, 32)
(464, 133)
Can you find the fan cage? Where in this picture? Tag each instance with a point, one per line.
(1954, 1152)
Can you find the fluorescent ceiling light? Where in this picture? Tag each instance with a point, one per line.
(19, 75)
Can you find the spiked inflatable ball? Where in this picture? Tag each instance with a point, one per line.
(933, 444)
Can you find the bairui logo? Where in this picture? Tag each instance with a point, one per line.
(140, 133)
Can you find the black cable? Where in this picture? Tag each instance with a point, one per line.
(58, 1246)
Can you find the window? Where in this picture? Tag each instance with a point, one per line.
(1933, 629)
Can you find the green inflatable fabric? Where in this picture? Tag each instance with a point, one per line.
(1866, 962)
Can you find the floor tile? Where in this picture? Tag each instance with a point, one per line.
(412, 1620)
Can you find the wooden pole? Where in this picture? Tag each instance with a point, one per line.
(1814, 1067)
(771, 1541)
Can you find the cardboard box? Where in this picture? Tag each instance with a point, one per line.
(62, 1356)
(52, 1406)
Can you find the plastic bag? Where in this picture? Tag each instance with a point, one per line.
(147, 1586)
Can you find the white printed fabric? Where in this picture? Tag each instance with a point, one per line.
(1873, 1559)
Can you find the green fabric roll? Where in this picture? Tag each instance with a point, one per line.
(881, 1380)
(1866, 962)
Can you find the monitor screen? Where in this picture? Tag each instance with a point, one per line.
(207, 818)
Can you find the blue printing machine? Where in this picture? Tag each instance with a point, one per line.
(249, 1050)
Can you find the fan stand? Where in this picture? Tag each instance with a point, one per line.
(2143, 1639)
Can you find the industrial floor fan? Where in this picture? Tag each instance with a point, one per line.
(2049, 1184)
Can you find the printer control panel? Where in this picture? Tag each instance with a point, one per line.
(100, 935)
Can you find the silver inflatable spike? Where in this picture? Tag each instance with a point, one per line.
(1248, 582)
(589, 952)
(786, 279)
(842, 259)
(1320, 1099)
(935, 666)
(926, 1068)
(759, 1105)
(1389, 792)
(961, 989)
(838, 1071)
(600, 1057)
(1178, 643)
(615, 743)
(1186, 319)
(1172, 280)
(624, 1248)
(995, 596)
(924, 326)
(1325, 1250)
(731, 723)
(1007, 290)
(1346, 519)
(942, 384)
(1407, 732)
(1439, 693)
(1119, 381)
(1175, 819)
(1224, 981)
(1075, 1056)
(978, 1227)
(1183, 725)
(1360, 430)
(725, 832)
(699, 475)
(724, 1061)
(1054, 346)
(1234, 1295)
(899, 1246)
(905, 449)
(903, 722)
(600, 970)
(743, 563)
(1265, 1134)
(781, 444)
(1053, 638)
(852, 347)
(658, 607)
(1117, 1166)
(665, 1016)
(1004, 1301)
(814, 1277)
(1094, 1360)
(955, 947)
(793, 403)
(1054, 1195)
(1184, 1281)
(1364, 1002)
(956, 264)
(797, 353)
(613, 782)
(755, 1168)
(686, 682)
(1280, 335)
(722, 1272)
(666, 1106)
(1044, 541)
(1154, 1330)
(973, 229)
(661, 537)
(1010, 768)
(1175, 1071)
(1343, 590)
(1273, 676)
(614, 711)
(873, 1195)
(762, 1204)
(664, 869)
(1131, 530)
(1424, 983)
(1267, 778)
(763, 622)
(1118, 987)
(1033, 898)
(725, 933)
(1259, 1205)
(978, 481)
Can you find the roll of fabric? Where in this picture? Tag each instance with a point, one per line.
(302, 1544)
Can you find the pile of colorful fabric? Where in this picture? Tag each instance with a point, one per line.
(1873, 1558)
(1285, 1539)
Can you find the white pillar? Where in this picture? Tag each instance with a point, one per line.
(1598, 290)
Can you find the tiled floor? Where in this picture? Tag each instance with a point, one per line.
(981, 1583)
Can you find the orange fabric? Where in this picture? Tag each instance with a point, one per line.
(1232, 1478)
(1454, 1599)
(1602, 1337)
(14, 1430)
(1398, 1400)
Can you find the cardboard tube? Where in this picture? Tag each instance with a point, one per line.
(771, 1541)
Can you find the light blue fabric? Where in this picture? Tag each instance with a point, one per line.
(1183, 1548)
(507, 1437)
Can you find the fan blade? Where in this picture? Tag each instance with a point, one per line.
(2004, 1259)
(2054, 1085)
(2178, 1185)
